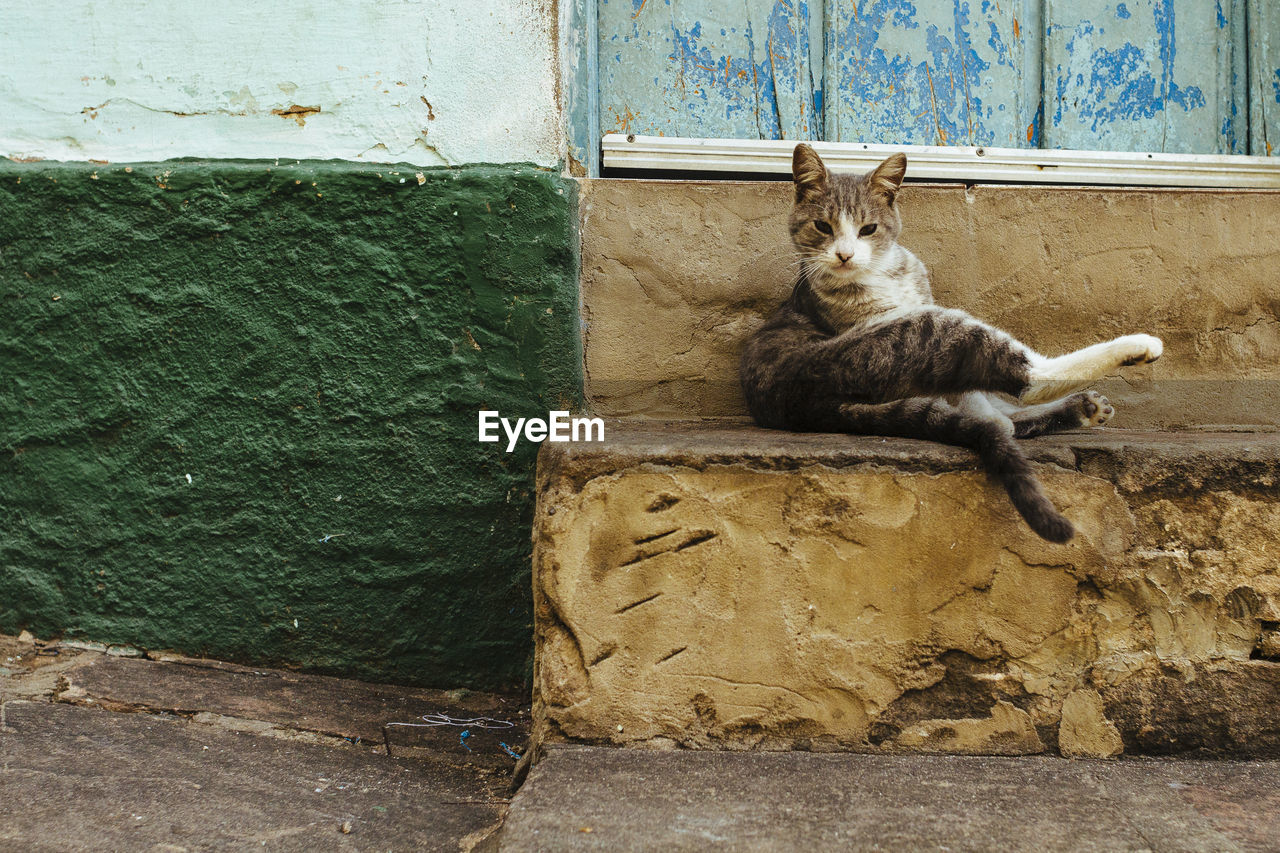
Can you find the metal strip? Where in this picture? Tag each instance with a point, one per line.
(948, 163)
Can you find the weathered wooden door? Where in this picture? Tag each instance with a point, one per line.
(1262, 35)
(933, 72)
(1145, 75)
(709, 68)
(1195, 76)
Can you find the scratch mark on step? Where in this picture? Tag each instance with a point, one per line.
(669, 655)
(735, 683)
(645, 539)
(636, 604)
(697, 538)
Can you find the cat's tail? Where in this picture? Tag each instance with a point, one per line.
(1002, 457)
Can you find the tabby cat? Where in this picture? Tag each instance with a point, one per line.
(859, 346)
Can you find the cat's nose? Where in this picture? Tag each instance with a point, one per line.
(844, 259)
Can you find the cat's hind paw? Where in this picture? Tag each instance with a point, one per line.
(1140, 349)
(1093, 408)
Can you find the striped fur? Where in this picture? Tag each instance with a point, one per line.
(859, 346)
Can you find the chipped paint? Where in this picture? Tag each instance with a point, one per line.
(1145, 75)
(1149, 75)
(578, 41)
(1263, 75)
(298, 113)
(696, 68)
(413, 80)
(933, 72)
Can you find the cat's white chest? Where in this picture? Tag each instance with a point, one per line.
(896, 286)
(901, 289)
(898, 291)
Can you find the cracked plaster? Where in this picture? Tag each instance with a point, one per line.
(697, 588)
(428, 82)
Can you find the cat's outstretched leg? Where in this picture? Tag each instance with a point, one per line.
(973, 424)
(1086, 409)
(1051, 378)
(943, 351)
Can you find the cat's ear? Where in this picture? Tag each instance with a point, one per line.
(887, 177)
(808, 172)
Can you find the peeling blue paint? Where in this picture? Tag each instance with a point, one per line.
(1263, 75)
(744, 71)
(788, 51)
(1037, 125)
(997, 45)
(703, 73)
(915, 73)
(1133, 89)
(579, 84)
(904, 16)
(1137, 75)
(1121, 87)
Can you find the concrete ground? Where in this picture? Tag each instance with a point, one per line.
(104, 752)
(600, 798)
(100, 751)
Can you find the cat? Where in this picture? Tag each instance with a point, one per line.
(860, 347)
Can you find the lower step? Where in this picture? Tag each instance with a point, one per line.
(727, 587)
(623, 799)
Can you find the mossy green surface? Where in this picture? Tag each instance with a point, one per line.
(238, 408)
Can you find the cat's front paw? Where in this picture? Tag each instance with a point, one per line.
(1139, 349)
(1093, 408)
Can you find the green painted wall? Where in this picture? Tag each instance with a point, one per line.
(311, 344)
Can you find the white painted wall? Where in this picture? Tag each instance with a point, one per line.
(429, 82)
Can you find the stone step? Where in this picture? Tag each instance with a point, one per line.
(676, 274)
(617, 799)
(720, 586)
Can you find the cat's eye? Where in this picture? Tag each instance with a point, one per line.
(824, 227)
(867, 230)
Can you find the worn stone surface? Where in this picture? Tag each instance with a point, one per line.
(718, 586)
(803, 802)
(31, 669)
(98, 752)
(377, 715)
(240, 408)
(1212, 707)
(676, 274)
(1085, 731)
(83, 779)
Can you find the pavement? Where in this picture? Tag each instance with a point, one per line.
(107, 749)
(101, 751)
(601, 798)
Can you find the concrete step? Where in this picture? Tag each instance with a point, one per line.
(676, 274)
(615, 799)
(721, 586)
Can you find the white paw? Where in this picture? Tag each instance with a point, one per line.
(1139, 349)
(1095, 409)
